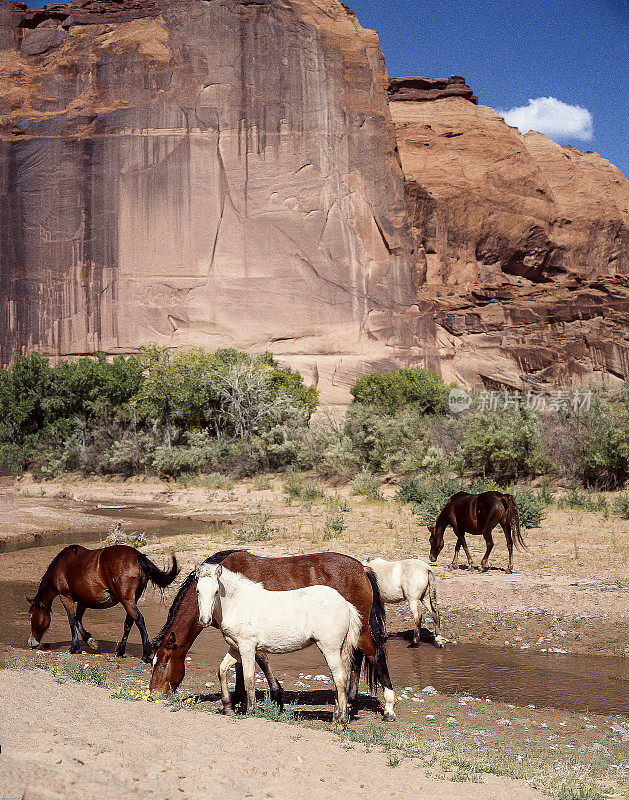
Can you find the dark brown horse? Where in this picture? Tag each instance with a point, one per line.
(477, 514)
(96, 579)
(341, 572)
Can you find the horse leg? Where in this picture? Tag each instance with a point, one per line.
(248, 658)
(377, 657)
(87, 637)
(74, 629)
(239, 695)
(335, 665)
(470, 563)
(507, 529)
(432, 609)
(490, 546)
(231, 657)
(122, 646)
(416, 611)
(136, 615)
(455, 559)
(354, 678)
(275, 687)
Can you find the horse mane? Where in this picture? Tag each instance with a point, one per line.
(48, 574)
(176, 604)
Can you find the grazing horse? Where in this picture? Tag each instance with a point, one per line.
(96, 579)
(477, 514)
(411, 580)
(341, 572)
(252, 619)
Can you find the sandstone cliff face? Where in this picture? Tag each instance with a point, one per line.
(490, 203)
(550, 225)
(225, 173)
(202, 172)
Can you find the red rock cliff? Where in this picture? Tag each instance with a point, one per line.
(524, 246)
(201, 172)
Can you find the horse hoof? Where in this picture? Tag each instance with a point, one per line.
(509, 570)
(440, 641)
(91, 642)
(147, 660)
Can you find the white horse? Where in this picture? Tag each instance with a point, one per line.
(411, 580)
(253, 619)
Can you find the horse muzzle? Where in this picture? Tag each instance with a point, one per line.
(32, 642)
(205, 621)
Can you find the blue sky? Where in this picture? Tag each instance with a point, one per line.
(515, 51)
(511, 52)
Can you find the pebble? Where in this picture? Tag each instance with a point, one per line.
(430, 717)
(429, 690)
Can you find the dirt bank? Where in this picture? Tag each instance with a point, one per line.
(73, 741)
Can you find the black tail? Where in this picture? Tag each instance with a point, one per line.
(377, 628)
(152, 573)
(513, 520)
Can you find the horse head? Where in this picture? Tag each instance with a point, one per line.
(40, 621)
(168, 666)
(208, 587)
(436, 543)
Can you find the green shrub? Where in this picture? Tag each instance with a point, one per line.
(601, 447)
(506, 445)
(169, 462)
(334, 525)
(298, 487)
(216, 480)
(621, 506)
(258, 529)
(367, 484)
(397, 388)
(583, 500)
(531, 508)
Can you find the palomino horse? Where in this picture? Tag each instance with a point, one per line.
(97, 579)
(477, 514)
(411, 580)
(341, 572)
(253, 619)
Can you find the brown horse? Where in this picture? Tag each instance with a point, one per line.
(341, 572)
(96, 579)
(477, 514)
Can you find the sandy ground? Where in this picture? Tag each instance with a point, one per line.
(70, 741)
(569, 593)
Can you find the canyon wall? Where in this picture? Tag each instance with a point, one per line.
(222, 173)
(202, 172)
(523, 245)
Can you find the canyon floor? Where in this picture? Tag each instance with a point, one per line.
(567, 602)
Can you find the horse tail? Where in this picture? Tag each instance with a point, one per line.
(352, 636)
(377, 628)
(432, 593)
(513, 520)
(150, 572)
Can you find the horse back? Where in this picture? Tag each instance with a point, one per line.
(340, 572)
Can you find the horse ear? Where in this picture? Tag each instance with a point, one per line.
(170, 642)
(431, 528)
(219, 571)
(30, 601)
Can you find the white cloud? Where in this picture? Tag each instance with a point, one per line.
(553, 118)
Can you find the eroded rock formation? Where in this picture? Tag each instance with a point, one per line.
(524, 245)
(226, 173)
(420, 89)
(202, 172)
